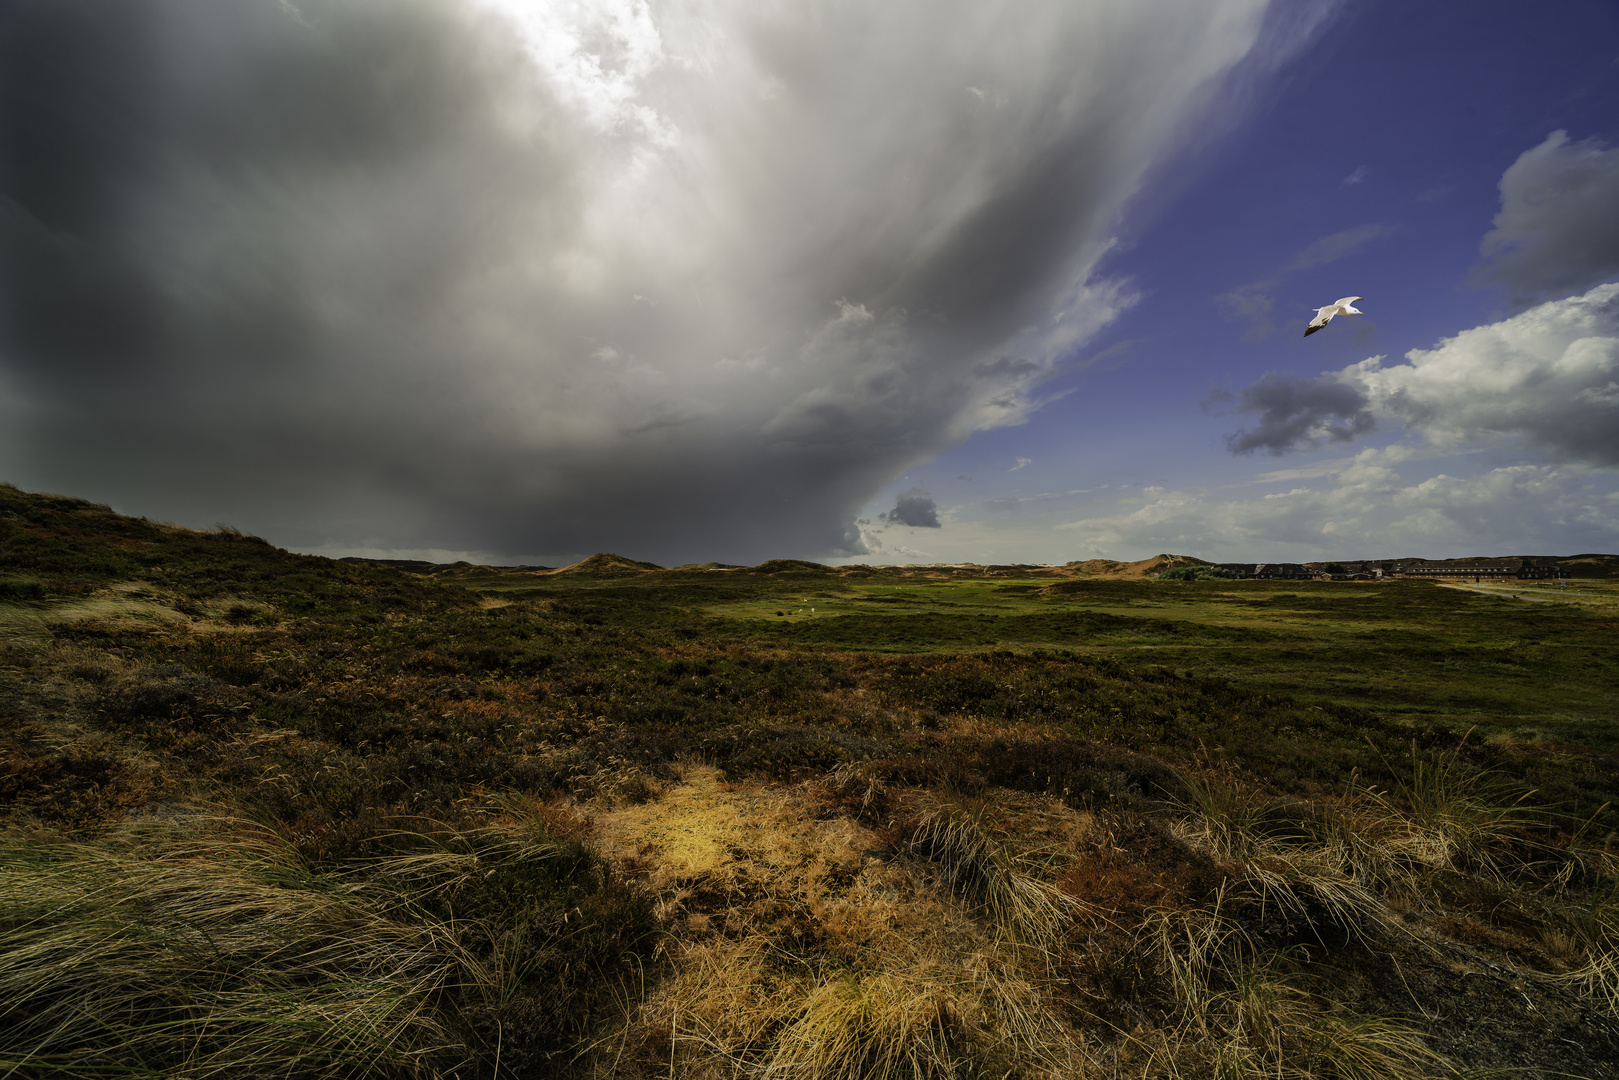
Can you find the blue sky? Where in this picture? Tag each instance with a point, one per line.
(922, 281)
(1370, 165)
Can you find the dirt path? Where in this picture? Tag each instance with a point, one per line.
(1503, 590)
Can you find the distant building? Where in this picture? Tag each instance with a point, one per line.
(1480, 570)
(1283, 570)
(1514, 569)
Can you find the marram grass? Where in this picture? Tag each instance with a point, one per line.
(1246, 1013)
(205, 957)
(979, 870)
(1597, 931)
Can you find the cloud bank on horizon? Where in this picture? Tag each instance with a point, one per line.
(1367, 505)
(688, 280)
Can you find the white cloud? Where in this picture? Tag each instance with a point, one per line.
(1020, 463)
(596, 55)
(1381, 502)
(1558, 229)
(1543, 377)
(1546, 379)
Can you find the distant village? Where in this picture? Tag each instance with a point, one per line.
(1502, 569)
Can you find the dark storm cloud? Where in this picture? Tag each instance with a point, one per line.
(915, 508)
(686, 282)
(1558, 229)
(1298, 413)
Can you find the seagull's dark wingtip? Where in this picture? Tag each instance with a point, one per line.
(1308, 330)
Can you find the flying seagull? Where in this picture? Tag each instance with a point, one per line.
(1324, 315)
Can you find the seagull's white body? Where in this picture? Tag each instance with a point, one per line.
(1324, 315)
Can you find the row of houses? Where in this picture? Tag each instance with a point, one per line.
(1270, 570)
(1483, 570)
(1513, 569)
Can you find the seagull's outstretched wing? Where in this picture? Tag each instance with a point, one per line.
(1322, 317)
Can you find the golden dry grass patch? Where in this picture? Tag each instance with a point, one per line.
(744, 839)
(816, 948)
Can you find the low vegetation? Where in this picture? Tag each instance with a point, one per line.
(268, 814)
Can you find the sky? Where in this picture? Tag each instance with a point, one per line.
(921, 281)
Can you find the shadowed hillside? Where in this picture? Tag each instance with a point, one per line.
(270, 814)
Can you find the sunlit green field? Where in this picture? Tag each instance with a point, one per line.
(1539, 668)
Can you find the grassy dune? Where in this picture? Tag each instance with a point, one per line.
(267, 814)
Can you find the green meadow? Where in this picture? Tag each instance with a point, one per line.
(1531, 663)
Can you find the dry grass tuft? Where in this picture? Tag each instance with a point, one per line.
(980, 870)
(878, 1025)
(1318, 870)
(939, 1004)
(1234, 820)
(1353, 1047)
(1596, 935)
(211, 959)
(1449, 816)
(164, 952)
(1244, 1012)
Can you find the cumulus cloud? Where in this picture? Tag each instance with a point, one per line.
(1558, 229)
(1548, 377)
(1545, 379)
(915, 508)
(692, 279)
